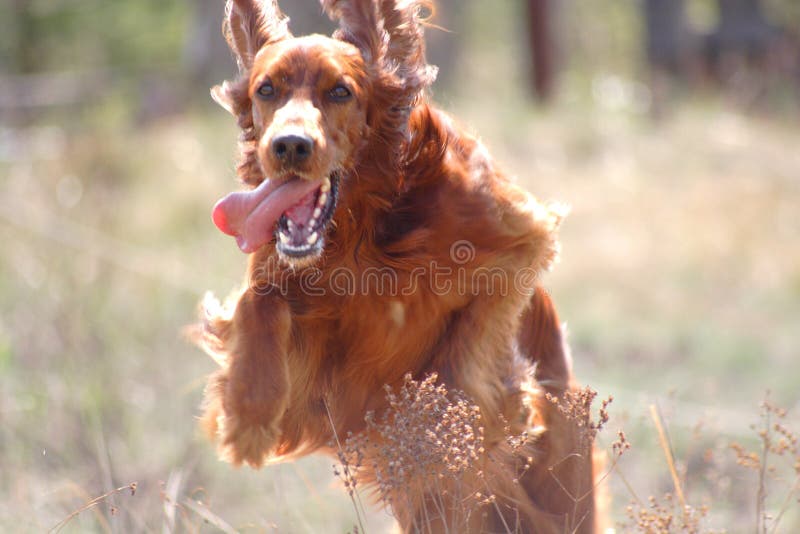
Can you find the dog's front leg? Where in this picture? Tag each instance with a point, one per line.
(477, 356)
(246, 399)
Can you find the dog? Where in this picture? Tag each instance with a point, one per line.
(384, 243)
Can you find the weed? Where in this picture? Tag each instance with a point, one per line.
(418, 453)
(778, 445)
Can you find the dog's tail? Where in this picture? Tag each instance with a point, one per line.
(541, 340)
(563, 480)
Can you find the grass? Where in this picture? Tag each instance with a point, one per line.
(679, 280)
(679, 285)
(97, 384)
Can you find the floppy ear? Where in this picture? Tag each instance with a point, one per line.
(251, 24)
(248, 26)
(390, 37)
(403, 21)
(361, 24)
(222, 95)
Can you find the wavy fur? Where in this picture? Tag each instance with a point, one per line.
(413, 186)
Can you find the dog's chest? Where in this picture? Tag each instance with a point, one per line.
(394, 336)
(390, 334)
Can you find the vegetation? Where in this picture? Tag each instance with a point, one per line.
(679, 279)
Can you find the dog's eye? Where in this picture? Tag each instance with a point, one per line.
(266, 90)
(339, 93)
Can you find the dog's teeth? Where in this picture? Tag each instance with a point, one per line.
(284, 238)
(312, 238)
(323, 198)
(326, 185)
(317, 213)
(290, 224)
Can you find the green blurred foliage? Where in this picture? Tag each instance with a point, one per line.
(142, 59)
(42, 35)
(784, 12)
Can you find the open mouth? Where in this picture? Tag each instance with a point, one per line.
(295, 212)
(300, 231)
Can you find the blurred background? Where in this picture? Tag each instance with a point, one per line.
(670, 127)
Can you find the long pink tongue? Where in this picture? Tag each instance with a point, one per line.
(250, 216)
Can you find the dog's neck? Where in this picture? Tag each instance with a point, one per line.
(375, 186)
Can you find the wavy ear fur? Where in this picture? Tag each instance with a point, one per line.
(403, 22)
(390, 37)
(361, 24)
(250, 24)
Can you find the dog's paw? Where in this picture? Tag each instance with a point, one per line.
(245, 442)
(247, 430)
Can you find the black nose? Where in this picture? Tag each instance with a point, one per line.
(292, 149)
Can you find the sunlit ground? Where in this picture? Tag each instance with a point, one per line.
(679, 282)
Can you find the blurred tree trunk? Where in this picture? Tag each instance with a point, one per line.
(745, 52)
(541, 43)
(667, 35)
(23, 58)
(206, 54)
(743, 27)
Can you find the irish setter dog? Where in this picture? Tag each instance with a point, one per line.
(383, 242)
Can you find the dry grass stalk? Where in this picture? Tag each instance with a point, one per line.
(667, 515)
(665, 447)
(94, 502)
(195, 510)
(428, 452)
(426, 444)
(670, 513)
(576, 406)
(777, 442)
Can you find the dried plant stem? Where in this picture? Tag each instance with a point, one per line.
(209, 516)
(629, 487)
(577, 525)
(499, 513)
(354, 496)
(786, 502)
(578, 498)
(308, 485)
(94, 502)
(776, 443)
(427, 518)
(665, 446)
(761, 497)
(438, 500)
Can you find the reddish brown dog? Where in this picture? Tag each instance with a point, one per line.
(383, 240)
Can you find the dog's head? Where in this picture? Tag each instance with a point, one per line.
(308, 106)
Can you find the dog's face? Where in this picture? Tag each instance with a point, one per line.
(307, 106)
(308, 99)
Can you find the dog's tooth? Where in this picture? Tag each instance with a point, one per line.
(326, 185)
(317, 213)
(312, 238)
(284, 238)
(289, 224)
(323, 198)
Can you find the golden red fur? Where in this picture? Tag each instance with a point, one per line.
(348, 117)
